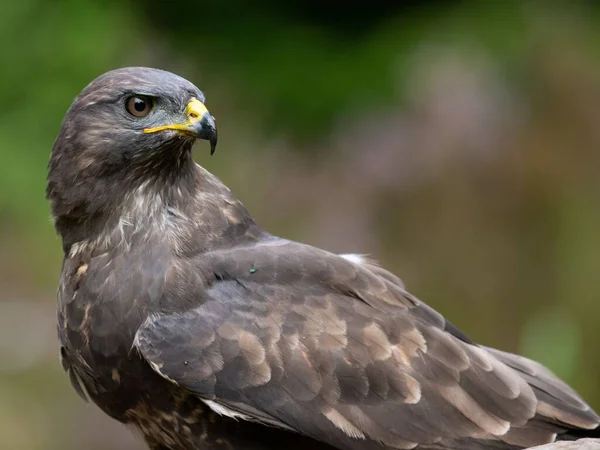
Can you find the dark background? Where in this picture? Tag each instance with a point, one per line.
(457, 142)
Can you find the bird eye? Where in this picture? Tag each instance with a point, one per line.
(139, 106)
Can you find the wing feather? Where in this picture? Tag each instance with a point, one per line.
(336, 349)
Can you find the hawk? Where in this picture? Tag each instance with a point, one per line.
(179, 315)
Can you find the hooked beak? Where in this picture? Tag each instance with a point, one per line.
(200, 124)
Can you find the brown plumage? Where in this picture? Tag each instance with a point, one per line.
(179, 315)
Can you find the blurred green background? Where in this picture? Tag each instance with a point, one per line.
(457, 142)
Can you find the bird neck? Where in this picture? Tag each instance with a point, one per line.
(192, 213)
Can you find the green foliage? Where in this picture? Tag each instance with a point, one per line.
(51, 51)
(301, 75)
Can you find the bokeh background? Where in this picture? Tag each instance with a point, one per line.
(457, 142)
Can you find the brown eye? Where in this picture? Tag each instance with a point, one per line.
(139, 106)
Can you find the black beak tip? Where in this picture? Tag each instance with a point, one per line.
(208, 131)
(213, 143)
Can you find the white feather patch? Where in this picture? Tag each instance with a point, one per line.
(355, 258)
(344, 424)
(224, 411)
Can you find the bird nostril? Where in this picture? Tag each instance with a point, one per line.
(193, 115)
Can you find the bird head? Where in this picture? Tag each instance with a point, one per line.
(128, 128)
(133, 111)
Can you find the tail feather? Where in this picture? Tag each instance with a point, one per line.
(558, 403)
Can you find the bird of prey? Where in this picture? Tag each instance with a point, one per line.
(180, 316)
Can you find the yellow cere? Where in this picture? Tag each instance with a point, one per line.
(194, 110)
